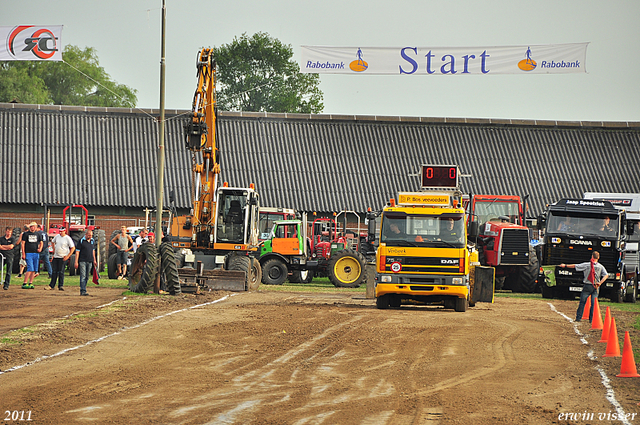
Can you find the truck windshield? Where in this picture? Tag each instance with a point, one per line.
(588, 225)
(493, 210)
(446, 230)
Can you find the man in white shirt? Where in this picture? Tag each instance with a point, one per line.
(142, 238)
(63, 247)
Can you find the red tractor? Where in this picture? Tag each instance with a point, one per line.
(337, 254)
(76, 225)
(503, 240)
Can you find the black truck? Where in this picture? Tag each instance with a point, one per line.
(573, 229)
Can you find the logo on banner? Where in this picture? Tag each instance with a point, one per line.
(359, 65)
(527, 64)
(41, 41)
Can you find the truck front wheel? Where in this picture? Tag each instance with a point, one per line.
(382, 302)
(461, 305)
(274, 272)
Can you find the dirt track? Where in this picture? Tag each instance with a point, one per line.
(288, 358)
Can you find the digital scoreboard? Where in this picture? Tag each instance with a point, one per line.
(439, 176)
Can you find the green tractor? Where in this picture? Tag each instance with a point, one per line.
(287, 252)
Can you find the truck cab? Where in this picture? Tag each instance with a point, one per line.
(423, 255)
(573, 229)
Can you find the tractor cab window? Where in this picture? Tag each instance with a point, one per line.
(446, 230)
(496, 211)
(266, 223)
(587, 224)
(285, 231)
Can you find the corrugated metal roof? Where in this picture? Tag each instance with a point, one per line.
(108, 157)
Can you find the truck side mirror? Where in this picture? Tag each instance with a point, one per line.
(371, 230)
(473, 230)
(631, 226)
(542, 222)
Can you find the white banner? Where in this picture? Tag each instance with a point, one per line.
(534, 59)
(31, 43)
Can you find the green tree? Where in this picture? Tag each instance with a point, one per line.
(258, 74)
(78, 80)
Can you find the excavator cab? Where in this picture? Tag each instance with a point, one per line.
(237, 216)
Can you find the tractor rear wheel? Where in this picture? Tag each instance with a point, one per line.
(525, 277)
(112, 248)
(169, 268)
(274, 272)
(17, 251)
(144, 269)
(112, 267)
(101, 251)
(347, 269)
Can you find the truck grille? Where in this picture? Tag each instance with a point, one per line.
(515, 247)
(562, 254)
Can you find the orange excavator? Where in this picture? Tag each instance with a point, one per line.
(222, 227)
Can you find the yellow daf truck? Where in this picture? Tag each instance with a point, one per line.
(423, 254)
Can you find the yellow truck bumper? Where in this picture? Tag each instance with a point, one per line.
(459, 291)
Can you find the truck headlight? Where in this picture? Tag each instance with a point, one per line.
(385, 278)
(456, 281)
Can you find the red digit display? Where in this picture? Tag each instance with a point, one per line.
(439, 176)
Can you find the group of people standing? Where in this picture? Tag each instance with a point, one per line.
(34, 242)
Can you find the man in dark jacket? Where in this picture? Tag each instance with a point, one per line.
(6, 251)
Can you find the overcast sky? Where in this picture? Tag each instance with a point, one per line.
(126, 35)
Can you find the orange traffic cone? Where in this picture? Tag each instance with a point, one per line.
(596, 322)
(587, 309)
(613, 348)
(628, 367)
(606, 326)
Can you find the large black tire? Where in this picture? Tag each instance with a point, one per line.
(631, 293)
(71, 264)
(112, 267)
(382, 302)
(525, 278)
(347, 269)
(112, 248)
(548, 291)
(461, 305)
(302, 276)
(169, 269)
(241, 263)
(274, 272)
(144, 269)
(256, 274)
(616, 295)
(17, 251)
(101, 248)
(76, 240)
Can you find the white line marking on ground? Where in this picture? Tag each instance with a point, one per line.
(102, 338)
(606, 382)
(108, 304)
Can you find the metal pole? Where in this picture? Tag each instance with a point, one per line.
(161, 152)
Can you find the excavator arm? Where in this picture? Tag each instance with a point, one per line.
(201, 137)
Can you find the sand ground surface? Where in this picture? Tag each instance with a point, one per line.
(302, 358)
